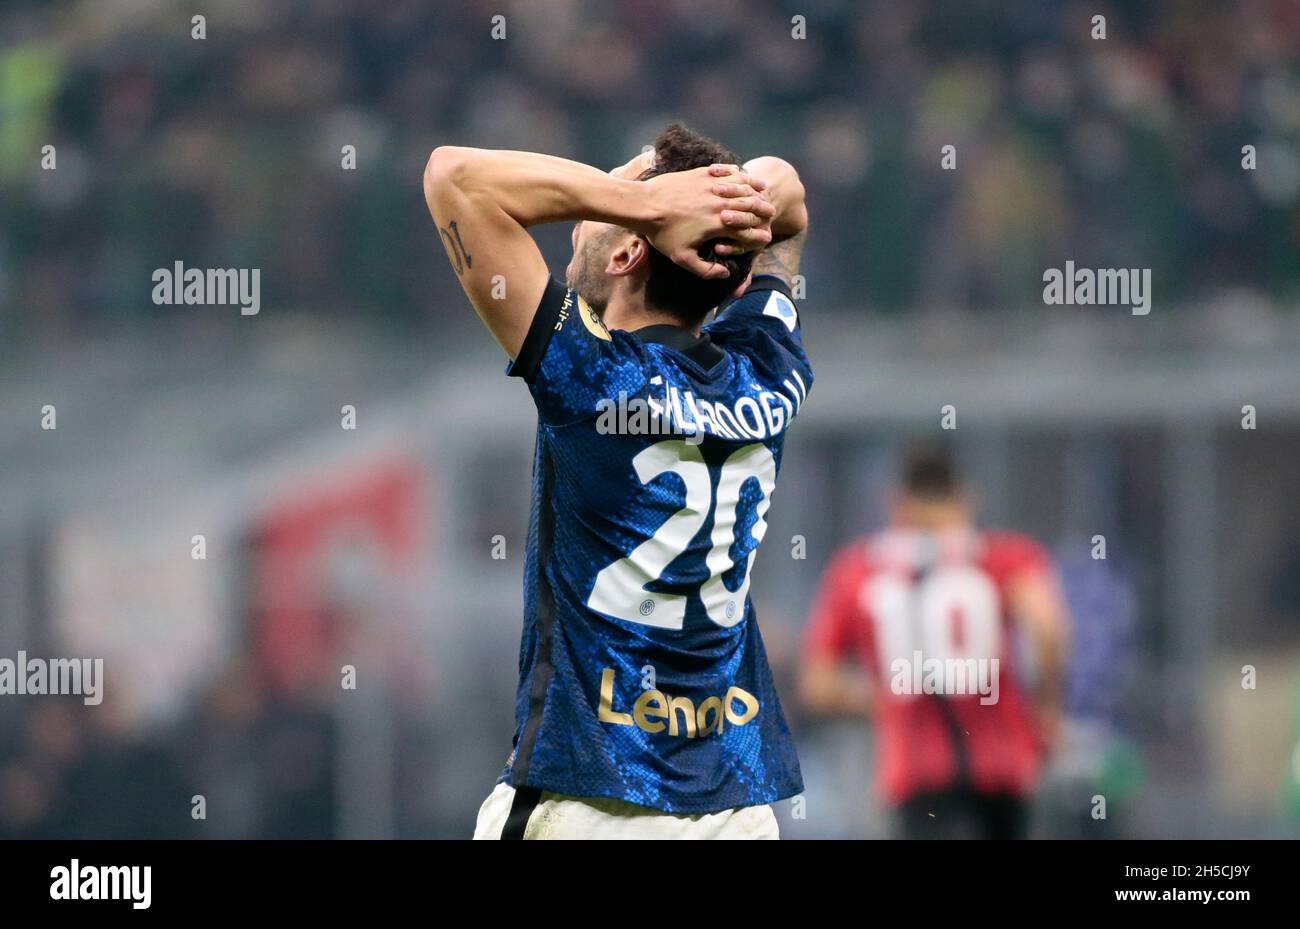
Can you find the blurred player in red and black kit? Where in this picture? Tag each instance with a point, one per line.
(936, 611)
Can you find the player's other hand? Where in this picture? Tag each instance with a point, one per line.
(697, 207)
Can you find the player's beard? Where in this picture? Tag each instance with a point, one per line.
(587, 275)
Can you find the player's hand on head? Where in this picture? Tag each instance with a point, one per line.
(638, 165)
(738, 175)
(748, 213)
(704, 205)
(748, 206)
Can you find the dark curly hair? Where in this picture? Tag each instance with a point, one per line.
(670, 287)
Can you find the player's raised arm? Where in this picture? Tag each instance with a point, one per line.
(785, 190)
(484, 201)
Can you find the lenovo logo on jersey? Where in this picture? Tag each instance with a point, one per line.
(682, 716)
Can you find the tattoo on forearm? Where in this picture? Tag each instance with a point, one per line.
(781, 258)
(460, 258)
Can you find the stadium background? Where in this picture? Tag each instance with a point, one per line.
(373, 547)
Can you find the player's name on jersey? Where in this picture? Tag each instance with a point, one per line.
(678, 411)
(654, 711)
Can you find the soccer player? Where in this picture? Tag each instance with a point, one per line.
(931, 610)
(645, 705)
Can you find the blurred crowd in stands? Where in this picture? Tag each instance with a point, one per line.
(227, 151)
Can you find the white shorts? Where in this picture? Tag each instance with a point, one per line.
(558, 817)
